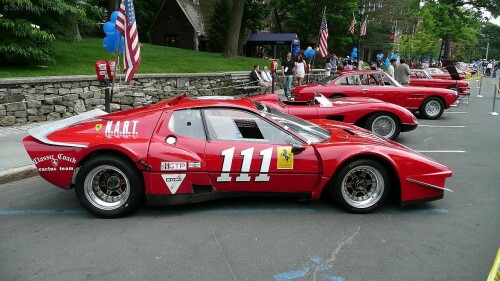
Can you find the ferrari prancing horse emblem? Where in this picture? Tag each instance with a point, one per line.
(98, 127)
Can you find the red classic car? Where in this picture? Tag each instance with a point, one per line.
(429, 102)
(382, 118)
(438, 73)
(420, 78)
(190, 150)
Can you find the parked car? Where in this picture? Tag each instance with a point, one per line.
(191, 150)
(420, 78)
(429, 102)
(438, 73)
(382, 118)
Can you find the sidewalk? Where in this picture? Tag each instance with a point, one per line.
(15, 164)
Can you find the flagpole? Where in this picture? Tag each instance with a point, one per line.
(317, 44)
(117, 65)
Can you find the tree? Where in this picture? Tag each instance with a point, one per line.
(28, 28)
(231, 49)
(217, 26)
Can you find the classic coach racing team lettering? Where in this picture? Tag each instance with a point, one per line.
(60, 156)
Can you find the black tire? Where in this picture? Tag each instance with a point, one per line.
(337, 96)
(432, 108)
(453, 87)
(384, 124)
(360, 173)
(121, 188)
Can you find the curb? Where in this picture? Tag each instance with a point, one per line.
(19, 173)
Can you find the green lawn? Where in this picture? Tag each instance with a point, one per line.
(79, 59)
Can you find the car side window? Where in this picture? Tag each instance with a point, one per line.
(348, 80)
(187, 123)
(238, 125)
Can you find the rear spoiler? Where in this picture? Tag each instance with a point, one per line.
(41, 132)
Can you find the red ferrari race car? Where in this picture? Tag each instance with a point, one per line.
(420, 78)
(382, 118)
(429, 102)
(190, 150)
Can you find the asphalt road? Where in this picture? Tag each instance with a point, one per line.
(46, 235)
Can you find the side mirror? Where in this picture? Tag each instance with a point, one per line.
(297, 147)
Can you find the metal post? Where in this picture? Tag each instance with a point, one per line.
(480, 87)
(272, 82)
(106, 100)
(493, 113)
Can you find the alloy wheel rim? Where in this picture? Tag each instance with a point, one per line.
(106, 187)
(362, 187)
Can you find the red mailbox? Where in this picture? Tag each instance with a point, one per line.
(110, 67)
(100, 70)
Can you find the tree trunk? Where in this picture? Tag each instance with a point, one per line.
(447, 47)
(231, 49)
(77, 31)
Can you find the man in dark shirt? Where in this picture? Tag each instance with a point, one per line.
(287, 66)
(255, 76)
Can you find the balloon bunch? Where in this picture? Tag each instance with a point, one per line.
(380, 56)
(110, 42)
(295, 49)
(387, 62)
(394, 56)
(309, 53)
(354, 53)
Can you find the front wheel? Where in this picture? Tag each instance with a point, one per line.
(384, 124)
(432, 108)
(361, 186)
(109, 186)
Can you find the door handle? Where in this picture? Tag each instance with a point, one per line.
(366, 90)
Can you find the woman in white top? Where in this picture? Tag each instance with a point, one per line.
(300, 69)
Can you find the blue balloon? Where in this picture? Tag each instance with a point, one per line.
(354, 50)
(295, 49)
(108, 44)
(113, 17)
(394, 56)
(381, 56)
(109, 28)
(387, 62)
(309, 53)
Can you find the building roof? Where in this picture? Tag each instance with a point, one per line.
(192, 12)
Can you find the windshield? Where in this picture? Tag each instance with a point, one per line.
(393, 81)
(328, 79)
(305, 129)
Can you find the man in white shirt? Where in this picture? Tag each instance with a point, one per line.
(489, 66)
(266, 75)
(390, 69)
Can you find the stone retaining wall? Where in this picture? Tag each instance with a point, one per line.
(25, 100)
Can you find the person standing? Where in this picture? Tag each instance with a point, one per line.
(287, 67)
(390, 69)
(334, 61)
(402, 73)
(300, 69)
(489, 66)
(328, 67)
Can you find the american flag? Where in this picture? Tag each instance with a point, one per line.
(323, 41)
(362, 32)
(353, 24)
(126, 25)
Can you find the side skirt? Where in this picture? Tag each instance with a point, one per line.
(178, 199)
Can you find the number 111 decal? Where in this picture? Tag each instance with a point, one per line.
(247, 154)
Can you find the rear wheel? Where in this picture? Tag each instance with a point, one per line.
(432, 108)
(361, 185)
(384, 124)
(109, 186)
